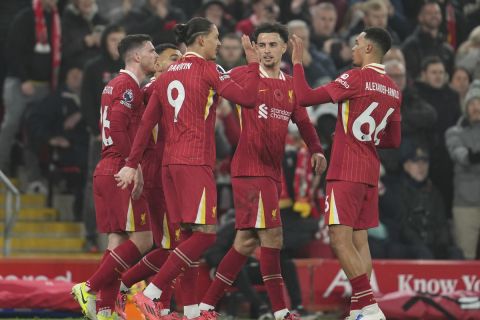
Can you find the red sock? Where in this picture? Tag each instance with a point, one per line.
(118, 261)
(108, 295)
(272, 277)
(182, 258)
(362, 294)
(145, 268)
(226, 274)
(166, 297)
(189, 285)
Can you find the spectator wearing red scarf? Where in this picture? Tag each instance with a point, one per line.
(33, 55)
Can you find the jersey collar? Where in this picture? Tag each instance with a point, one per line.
(191, 53)
(264, 74)
(380, 68)
(131, 74)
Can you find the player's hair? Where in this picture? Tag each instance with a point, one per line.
(188, 32)
(379, 36)
(164, 46)
(132, 42)
(427, 61)
(271, 28)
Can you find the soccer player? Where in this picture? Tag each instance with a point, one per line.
(256, 172)
(165, 234)
(122, 214)
(186, 97)
(368, 118)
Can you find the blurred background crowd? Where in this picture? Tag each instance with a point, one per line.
(56, 57)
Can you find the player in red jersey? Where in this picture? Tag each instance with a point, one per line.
(256, 172)
(122, 214)
(368, 118)
(165, 234)
(186, 97)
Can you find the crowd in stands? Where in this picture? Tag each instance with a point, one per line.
(56, 57)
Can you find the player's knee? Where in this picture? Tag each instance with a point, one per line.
(337, 238)
(246, 246)
(272, 238)
(143, 241)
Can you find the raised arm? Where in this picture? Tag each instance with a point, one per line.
(228, 88)
(307, 96)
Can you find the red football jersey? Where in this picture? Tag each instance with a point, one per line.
(120, 113)
(368, 100)
(264, 128)
(188, 93)
(152, 157)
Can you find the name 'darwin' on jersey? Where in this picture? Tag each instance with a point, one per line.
(180, 66)
(374, 86)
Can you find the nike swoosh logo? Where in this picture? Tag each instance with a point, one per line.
(83, 298)
(262, 90)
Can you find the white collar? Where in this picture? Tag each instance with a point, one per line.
(131, 74)
(264, 74)
(380, 68)
(191, 53)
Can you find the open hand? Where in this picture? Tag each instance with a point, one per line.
(297, 49)
(250, 50)
(125, 176)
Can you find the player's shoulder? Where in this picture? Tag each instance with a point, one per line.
(350, 78)
(353, 73)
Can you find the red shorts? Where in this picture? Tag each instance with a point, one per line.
(165, 234)
(190, 194)
(352, 204)
(256, 202)
(115, 209)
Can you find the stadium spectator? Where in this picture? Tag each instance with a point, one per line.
(8, 9)
(215, 11)
(324, 19)
(460, 82)
(427, 41)
(82, 28)
(230, 54)
(155, 18)
(115, 10)
(468, 54)
(263, 11)
(319, 67)
(33, 55)
(97, 73)
(56, 122)
(464, 146)
(433, 88)
(395, 53)
(375, 14)
(418, 117)
(424, 225)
